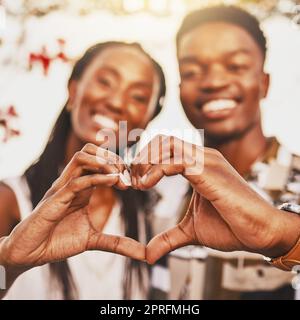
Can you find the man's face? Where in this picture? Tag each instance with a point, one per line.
(222, 79)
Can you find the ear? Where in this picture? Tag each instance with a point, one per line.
(265, 85)
(72, 89)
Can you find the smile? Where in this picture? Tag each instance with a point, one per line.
(105, 122)
(219, 108)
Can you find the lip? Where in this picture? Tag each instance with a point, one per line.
(218, 108)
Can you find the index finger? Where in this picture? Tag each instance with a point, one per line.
(118, 244)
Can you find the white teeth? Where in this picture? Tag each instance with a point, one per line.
(220, 104)
(105, 122)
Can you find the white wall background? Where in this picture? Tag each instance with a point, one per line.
(38, 99)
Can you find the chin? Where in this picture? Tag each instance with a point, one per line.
(222, 136)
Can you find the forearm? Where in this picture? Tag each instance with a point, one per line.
(11, 273)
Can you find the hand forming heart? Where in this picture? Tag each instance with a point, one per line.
(224, 212)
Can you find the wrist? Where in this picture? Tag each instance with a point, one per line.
(286, 234)
(11, 271)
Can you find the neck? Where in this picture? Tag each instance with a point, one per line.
(243, 151)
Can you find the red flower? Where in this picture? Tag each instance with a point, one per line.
(42, 58)
(12, 112)
(61, 41)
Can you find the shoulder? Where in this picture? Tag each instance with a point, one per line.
(286, 157)
(7, 195)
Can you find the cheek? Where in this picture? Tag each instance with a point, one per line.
(187, 93)
(78, 125)
(80, 118)
(136, 115)
(252, 99)
(81, 114)
(188, 98)
(252, 87)
(93, 93)
(250, 108)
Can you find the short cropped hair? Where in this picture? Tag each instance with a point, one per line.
(222, 13)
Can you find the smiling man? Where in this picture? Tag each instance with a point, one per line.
(221, 53)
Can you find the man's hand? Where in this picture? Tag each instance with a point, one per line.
(224, 213)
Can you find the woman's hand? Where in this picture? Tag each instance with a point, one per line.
(60, 225)
(224, 213)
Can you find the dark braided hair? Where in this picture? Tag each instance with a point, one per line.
(46, 170)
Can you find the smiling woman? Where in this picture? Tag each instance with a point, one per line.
(112, 82)
(114, 78)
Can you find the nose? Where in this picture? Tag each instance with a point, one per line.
(115, 101)
(215, 80)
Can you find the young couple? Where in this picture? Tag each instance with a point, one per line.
(58, 220)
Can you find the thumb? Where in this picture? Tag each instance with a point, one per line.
(168, 241)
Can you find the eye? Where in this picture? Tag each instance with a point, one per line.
(104, 82)
(191, 73)
(140, 98)
(188, 74)
(234, 67)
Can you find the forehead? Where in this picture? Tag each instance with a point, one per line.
(213, 39)
(127, 62)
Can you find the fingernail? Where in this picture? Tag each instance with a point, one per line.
(125, 178)
(126, 174)
(112, 175)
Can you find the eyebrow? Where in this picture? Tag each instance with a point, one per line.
(141, 84)
(193, 59)
(138, 83)
(110, 69)
(238, 51)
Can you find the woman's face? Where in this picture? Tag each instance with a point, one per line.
(120, 84)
